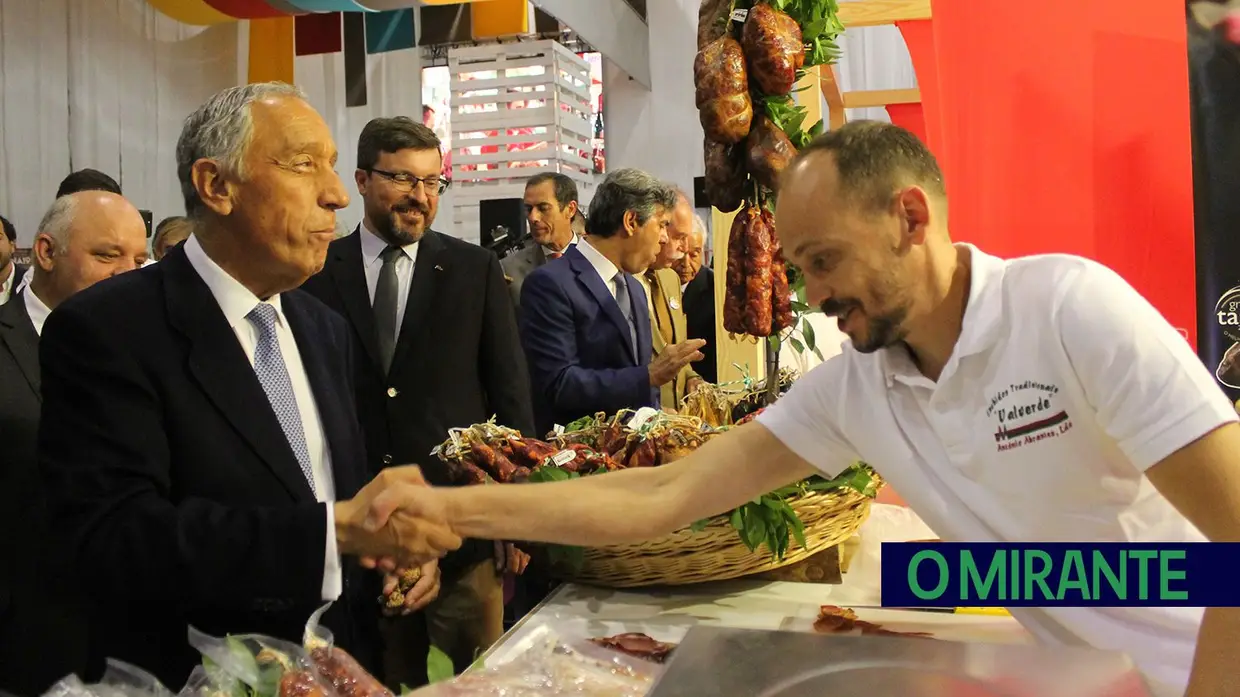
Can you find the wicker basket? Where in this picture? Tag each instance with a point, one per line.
(716, 553)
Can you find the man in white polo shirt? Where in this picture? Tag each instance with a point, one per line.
(1034, 399)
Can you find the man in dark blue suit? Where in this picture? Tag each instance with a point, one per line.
(584, 322)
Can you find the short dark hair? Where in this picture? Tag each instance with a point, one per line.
(875, 158)
(9, 231)
(627, 190)
(565, 187)
(87, 180)
(392, 135)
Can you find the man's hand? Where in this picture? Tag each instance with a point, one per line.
(409, 533)
(665, 366)
(410, 590)
(510, 558)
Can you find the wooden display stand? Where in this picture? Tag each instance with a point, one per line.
(736, 356)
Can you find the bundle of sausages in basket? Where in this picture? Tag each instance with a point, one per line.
(487, 452)
(645, 438)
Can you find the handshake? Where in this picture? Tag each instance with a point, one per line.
(397, 520)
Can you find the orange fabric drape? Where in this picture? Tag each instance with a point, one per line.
(1068, 134)
(271, 50)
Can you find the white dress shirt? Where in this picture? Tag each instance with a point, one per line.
(25, 282)
(548, 250)
(37, 310)
(372, 263)
(237, 301)
(6, 288)
(606, 270)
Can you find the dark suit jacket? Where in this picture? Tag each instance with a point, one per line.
(699, 301)
(178, 492)
(19, 272)
(42, 627)
(577, 342)
(458, 361)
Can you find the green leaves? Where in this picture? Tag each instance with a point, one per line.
(438, 667)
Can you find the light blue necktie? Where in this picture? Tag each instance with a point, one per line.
(273, 376)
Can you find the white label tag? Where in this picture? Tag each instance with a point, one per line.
(641, 417)
(739, 15)
(563, 457)
(558, 430)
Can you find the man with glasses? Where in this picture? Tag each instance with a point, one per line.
(436, 347)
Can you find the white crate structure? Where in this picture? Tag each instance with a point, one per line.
(517, 109)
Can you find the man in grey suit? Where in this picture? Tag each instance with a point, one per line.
(84, 238)
(550, 207)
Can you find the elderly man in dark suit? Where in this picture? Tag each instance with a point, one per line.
(435, 340)
(10, 271)
(84, 238)
(584, 318)
(199, 443)
(698, 290)
(552, 212)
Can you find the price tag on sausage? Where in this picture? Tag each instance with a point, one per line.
(563, 457)
(739, 15)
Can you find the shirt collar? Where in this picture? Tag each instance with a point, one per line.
(549, 250)
(10, 282)
(601, 264)
(37, 310)
(373, 245)
(234, 299)
(978, 329)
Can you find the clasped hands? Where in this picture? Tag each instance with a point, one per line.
(395, 521)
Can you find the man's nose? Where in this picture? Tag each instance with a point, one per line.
(334, 196)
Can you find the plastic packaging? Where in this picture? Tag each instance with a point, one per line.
(259, 666)
(119, 680)
(549, 666)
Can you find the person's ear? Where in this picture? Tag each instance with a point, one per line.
(914, 208)
(215, 188)
(43, 252)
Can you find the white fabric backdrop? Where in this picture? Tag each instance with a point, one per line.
(106, 84)
(103, 84)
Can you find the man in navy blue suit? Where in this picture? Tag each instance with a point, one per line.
(584, 323)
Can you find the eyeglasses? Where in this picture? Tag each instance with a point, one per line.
(435, 185)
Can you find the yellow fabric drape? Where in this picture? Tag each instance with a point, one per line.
(193, 12)
(271, 50)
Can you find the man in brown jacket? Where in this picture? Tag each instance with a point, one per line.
(663, 293)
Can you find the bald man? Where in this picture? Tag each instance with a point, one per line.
(84, 238)
(664, 296)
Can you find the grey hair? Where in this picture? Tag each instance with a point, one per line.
(699, 227)
(58, 221)
(627, 190)
(221, 130)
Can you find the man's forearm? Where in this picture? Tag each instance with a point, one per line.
(616, 508)
(1218, 651)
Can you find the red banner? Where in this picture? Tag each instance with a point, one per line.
(1065, 128)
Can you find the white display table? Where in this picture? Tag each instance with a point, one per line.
(579, 612)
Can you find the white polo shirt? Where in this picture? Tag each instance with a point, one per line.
(1064, 387)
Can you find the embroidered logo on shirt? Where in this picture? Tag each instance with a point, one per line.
(1025, 413)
